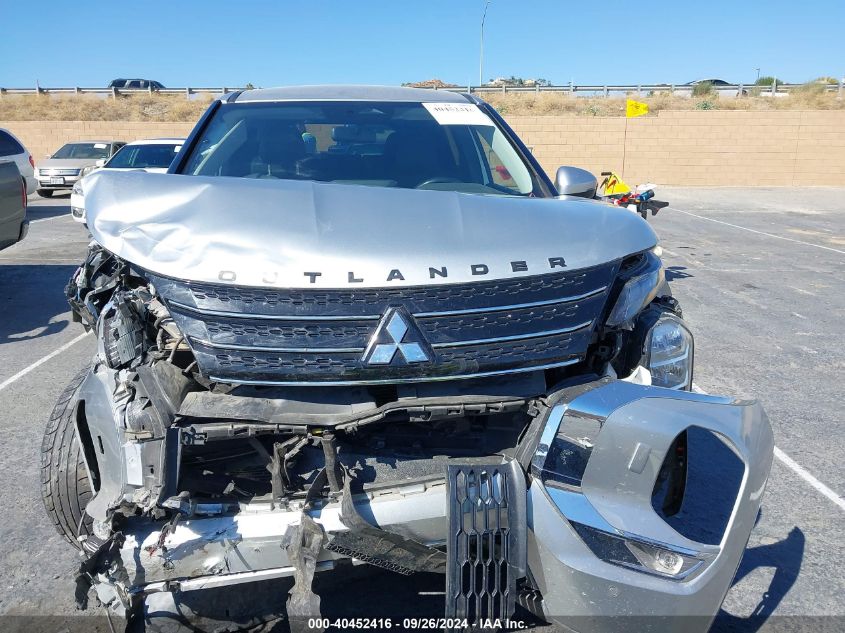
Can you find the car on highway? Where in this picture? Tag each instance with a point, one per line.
(689, 87)
(362, 323)
(13, 222)
(135, 84)
(12, 149)
(150, 155)
(61, 170)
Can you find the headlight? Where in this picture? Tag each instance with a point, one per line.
(637, 293)
(77, 188)
(86, 170)
(669, 353)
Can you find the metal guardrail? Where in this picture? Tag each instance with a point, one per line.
(598, 90)
(116, 92)
(639, 89)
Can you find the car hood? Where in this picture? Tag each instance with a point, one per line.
(149, 170)
(306, 234)
(65, 163)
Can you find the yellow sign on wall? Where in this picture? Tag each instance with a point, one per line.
(635, 108)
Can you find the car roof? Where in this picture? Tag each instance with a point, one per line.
(721, 82)
(157, 141)
(349, 93)
(88, 140)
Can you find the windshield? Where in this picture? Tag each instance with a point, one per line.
(144, 156)
(83, 150)
(444, 146)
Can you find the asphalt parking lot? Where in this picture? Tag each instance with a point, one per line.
(760, 274)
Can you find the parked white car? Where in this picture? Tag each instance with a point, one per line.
(12, 149)
(151, 155)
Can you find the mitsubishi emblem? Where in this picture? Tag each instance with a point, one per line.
(397, 338)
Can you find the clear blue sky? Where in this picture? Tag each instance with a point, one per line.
(215, 43)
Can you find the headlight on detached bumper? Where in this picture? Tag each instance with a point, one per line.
(669, 353)
(639, 554)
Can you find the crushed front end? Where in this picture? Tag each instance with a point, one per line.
(234, 434)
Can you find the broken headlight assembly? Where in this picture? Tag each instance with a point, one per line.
(669, 352)
(559, 464)
(637, 292)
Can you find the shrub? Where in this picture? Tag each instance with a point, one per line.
(811, 88)
(705, 105)
(593, 110)
(702, 89)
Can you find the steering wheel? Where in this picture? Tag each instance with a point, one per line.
(437, 179)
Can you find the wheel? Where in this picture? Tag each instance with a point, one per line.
(45, 193)
(65, 488)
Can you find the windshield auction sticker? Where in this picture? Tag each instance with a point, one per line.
(457, 114)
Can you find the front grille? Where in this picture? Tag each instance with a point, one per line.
(275, 336)
(58, 172)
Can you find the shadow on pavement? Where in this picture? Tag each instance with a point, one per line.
(677, 272)
(785, 557)
(32, 301)
(43, 212)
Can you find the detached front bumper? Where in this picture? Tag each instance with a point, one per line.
(583, 590)
(571, 581)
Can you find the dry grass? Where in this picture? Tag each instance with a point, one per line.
(808, 98)
(93, 108)
(177, 108)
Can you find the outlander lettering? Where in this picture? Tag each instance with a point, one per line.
(395, 274)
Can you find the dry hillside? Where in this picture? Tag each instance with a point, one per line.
(177, 108)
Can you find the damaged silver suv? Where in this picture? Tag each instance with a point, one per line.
(361, 324)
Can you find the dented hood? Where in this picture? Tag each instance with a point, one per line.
(306, 234)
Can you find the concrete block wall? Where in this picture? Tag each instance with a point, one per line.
(739, 148)
(789, 148)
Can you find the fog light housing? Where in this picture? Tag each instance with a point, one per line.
(630, 551)
(669, 353)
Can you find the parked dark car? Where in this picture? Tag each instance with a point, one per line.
(13, 224)
(135, 84)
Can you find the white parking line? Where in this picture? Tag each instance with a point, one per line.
(48, 219)
(799, 470)
(41, 361)
(806, 476)
(743, 228)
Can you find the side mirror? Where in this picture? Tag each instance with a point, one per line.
(100, 162)
(48, 156)
(574, 181)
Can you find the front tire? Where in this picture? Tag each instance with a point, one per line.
(65, 487)
(45, 193)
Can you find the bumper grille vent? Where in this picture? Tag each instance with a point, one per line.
(486, 550)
